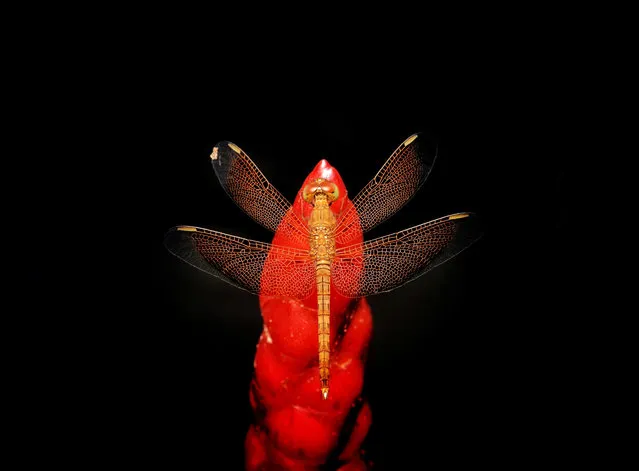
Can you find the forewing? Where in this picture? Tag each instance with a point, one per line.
(240, 261)
(394, 185)
(393, 260)
(252, 192)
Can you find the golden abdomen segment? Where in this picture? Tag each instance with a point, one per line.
(323, 273)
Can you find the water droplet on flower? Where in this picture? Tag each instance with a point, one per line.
(269, 339)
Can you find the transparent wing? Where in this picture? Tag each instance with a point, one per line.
(240, 261)
(252, 192)
(394, 185)
(388, 262)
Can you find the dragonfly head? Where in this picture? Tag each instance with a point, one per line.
(319, 187)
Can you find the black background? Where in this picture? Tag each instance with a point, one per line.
(465, 364)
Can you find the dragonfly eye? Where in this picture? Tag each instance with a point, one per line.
(331, 191)
(320, 186)
(308, 193)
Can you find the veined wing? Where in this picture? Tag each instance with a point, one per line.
(240, 261)
(393, 260)
(394, 185)
(251, 191)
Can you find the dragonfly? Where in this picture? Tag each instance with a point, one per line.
(318, 243)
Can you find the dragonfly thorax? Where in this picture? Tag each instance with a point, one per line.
(321, 225)
(322, 243)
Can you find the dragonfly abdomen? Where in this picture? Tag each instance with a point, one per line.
(322, 248)
(323, 275)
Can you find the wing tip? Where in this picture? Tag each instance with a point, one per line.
(235, 148)
(215, 154)
(186, 229)
(459, 216)
(410, 139)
